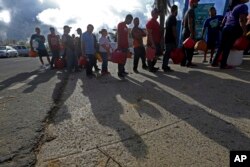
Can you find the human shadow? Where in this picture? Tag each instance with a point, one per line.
(42, 77)
(108, 105)
(17, 79)
(193, 106)
(63, 90)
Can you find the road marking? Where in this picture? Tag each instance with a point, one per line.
(32, 77)
(19, 85)
(16, 86)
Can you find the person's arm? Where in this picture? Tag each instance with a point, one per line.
(174, 34)
(49, 42)
(203, 29)
(31, 45)
(150, 37)
(243, 21)
(190, 25)
(83, 47)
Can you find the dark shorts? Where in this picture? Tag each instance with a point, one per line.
(42, 53)
(211, 44)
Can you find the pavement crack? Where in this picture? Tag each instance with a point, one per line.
(109, 156)
(57, 96)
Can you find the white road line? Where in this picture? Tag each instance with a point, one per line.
(19, 85)
(32, 77)
(16, 86)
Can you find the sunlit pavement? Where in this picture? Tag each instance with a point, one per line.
(190, 117)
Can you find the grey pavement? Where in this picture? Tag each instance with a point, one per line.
(190, 117)
(27, 97)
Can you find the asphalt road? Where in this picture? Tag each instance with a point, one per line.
(27, 96)
(191, 117)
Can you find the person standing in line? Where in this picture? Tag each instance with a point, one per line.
(154, 37)
(78, 46)
(122, 42)
(212, 25)
(235, 26)
(68, 43)
(88, 49)
(189, 31)
(37, 44)
(54, 45)
(139, 49)
(104, 50)
(170, 37)
(96, 50)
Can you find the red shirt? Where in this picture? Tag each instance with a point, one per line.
(156, 30)
(122, 34)
(54, 41)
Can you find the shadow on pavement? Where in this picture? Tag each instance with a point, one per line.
(16, 79)
(195, 94)
(108, 104)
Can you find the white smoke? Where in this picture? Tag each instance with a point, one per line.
(100, 13)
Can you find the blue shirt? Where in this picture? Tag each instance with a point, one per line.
(88, 39)
(213, 27)
(233, 18)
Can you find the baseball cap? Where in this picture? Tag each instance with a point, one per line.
(66, 27)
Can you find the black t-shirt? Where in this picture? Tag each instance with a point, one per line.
(190, 13)
(170, 23)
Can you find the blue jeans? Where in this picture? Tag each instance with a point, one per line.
(55, 54)
(121, 67)
(72, 61)
(169, 48)
(104, 61)
(139, 52)
(229, 36)
(90, 63)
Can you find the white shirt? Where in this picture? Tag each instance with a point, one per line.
(103, 41)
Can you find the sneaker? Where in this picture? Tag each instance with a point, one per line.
(191, 65)
(153, 70)
(125, 73)
(226, 67)
(168, 69)
(214, 64)
(145, 67)
(97, 69)
(136, 71)
(121, 75)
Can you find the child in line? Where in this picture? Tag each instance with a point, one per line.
(104, 51)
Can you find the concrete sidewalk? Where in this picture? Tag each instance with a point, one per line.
(190, 117)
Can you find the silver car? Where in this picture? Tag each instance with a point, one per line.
(8, 51)
(22, 50)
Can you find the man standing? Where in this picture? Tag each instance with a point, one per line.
(68, 43)
(37, 43)
(139, 49)
(189, 31)
(54, 45)
(122, 42)
(88, 49)
(170, 37)
(154, 38)
(212, 25)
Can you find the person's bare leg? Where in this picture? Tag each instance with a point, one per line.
(212, 55)
(41, 60)
(205, 56)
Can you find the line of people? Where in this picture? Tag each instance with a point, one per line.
(86, 44)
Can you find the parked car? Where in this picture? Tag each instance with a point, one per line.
(22, 50)
(8, 51)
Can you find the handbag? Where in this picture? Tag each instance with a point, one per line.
(150, 53)
(118, 57)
